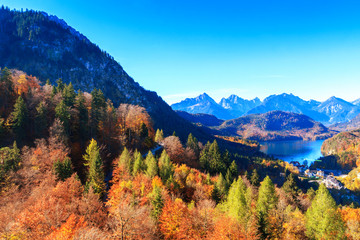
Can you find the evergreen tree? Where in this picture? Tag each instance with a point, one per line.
(151, 165)
(63, 169)
(139, 164)
(82, 124)
(20, 118)
(126, 160)
(94, 162)
(323, 221)
(166, 168)
(204, 157)
(221, 186)
(193, 144)
(291, 189)
(98, 105)
(233, 170)
(238, 202)
(69, 95)
(255, 178)
(157, 202)
(63, 113)
(267, 201)
(6, 89)
(41, 120)
(216, 164)
(159, 135)
(60, 86)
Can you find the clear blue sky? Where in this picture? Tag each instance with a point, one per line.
(247, 47)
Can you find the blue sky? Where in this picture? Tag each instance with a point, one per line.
(251, 48)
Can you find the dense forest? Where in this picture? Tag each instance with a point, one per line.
(75, 167)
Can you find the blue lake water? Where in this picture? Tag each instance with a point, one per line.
(293, 150)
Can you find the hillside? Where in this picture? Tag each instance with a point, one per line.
(274, 126)
(46, 47)
(345, 147)
(207, 120)
(353, 124)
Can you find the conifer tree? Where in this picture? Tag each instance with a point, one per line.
(238, 202)
(60, 86)
(216, 163)
(255, 178)
(151, 165)
(98, 105)
(159, 135)
(290, 188)
(20, 118)
(267, 201)
(323, 221)
(157, 202)
(41, 119)
(204, 157)
(139, 164)
(63, 113)
(69, 95)
(82, 124)
(63, 169)
(233, 170)
(193, 144)
(166, 168)
(94, 163)
(221, 186)
(126, 160)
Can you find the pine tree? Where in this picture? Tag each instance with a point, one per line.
(139, 164)
(151, 165)
(98, 105)
(41, 120)
(238, 202)
(82, 124)
(193, 144)
(63, 169)
(323, 221)
(126, 160)
(157, 202)
(255, 178)
(60, 86)
(205, 156)
(159, 136)
(221, 186)
(166, 168)
(94, 163)
(63, 113)
(291, 189)
(20, 118)
(267, 201)
(233, 169)
(6, 88)
(216, 164)
(69, 95)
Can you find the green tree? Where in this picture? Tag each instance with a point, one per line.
(159, 135)
(62, 111)
(83, 118)
(151, 165)
(126, 160)
(216, 164)
(93, 161)
(323, 221)
(193, 144)
(69, 95)
(98, 105)
(221, 186)
(60, 86)
(63, 169)
(255, 178)
(267, 201)
(20, 118)
(291, 189)
(238, 202)
(166, 168)
(139, 164)
(41, 120)
(157, 202)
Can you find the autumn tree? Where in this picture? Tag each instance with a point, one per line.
(166, 168)
(323, 221)
(174, 148)
(93, 161)
(159, 135)
(266, 202)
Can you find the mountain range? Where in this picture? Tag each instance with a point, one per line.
(332, 111)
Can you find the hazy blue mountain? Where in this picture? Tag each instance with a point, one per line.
(201, 118)
(356, 102)
(290, 103)
(202, 104)
(338, 110)
(238, 106)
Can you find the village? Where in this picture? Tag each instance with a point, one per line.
(328, 177)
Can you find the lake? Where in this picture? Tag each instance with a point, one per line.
(293, 150)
